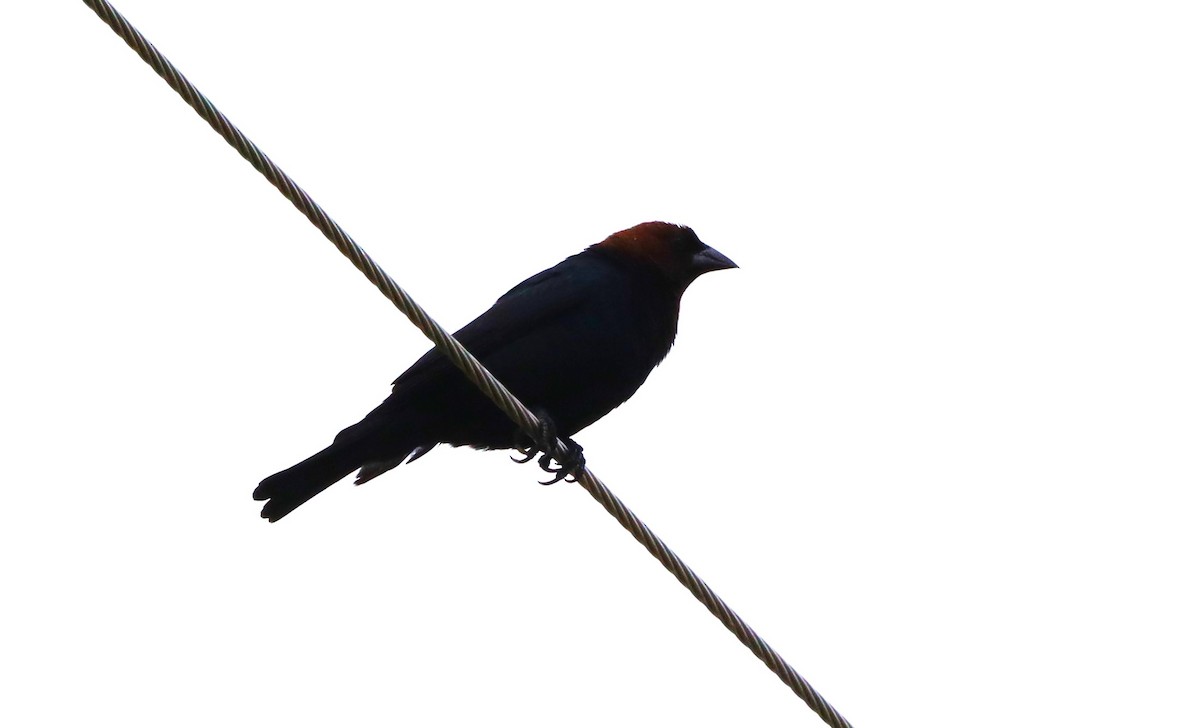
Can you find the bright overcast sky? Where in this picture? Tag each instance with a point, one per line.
(936, 440)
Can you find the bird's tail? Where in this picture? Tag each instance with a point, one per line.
(289, 489)
(367, 447)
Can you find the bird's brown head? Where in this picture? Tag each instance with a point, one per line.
(673, 249)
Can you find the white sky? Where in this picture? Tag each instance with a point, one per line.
(936, 440)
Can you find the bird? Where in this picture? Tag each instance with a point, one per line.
(572, 343)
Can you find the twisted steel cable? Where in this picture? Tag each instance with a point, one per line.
(462, 358)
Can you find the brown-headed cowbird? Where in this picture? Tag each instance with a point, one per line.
(572, 343)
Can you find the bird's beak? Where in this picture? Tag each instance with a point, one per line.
(710, 259)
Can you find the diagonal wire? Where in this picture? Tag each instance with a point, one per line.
(463, 359)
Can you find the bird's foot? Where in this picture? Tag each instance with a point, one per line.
(544, 443)
(547, 441)
(569, 464)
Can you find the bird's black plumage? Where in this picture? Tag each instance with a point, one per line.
(572, 343)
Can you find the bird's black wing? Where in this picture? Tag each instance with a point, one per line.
(552, 294)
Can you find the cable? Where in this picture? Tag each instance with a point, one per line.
(462, 358)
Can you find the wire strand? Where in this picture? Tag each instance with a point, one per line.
(461, 358)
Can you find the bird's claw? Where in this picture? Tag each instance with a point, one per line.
(529, 452)
(571, 462)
